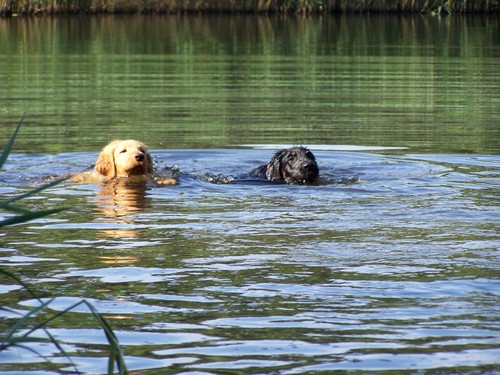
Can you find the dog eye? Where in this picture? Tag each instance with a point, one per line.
(122, 151)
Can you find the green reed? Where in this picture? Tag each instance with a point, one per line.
(40, 317)
(10, 205)
(20, 333)
(21, 7)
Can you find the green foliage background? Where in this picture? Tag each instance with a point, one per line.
(8, 7)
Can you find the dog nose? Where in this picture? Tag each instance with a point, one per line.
(307, 166)
(139, 157)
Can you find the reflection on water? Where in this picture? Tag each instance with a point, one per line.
(396, 272)
(119, 200)
(429, 83)
(389, 266)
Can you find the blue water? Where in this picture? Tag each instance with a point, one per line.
(389, 266)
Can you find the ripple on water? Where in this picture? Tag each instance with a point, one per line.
(397, 271)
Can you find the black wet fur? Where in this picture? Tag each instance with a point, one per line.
(295, 165)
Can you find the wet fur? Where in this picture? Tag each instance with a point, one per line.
(295, 165)
(110, 163)
(122, 158)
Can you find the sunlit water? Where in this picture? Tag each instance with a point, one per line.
(389, 265)
(397, 269)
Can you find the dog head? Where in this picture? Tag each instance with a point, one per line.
(124, 158)
(296, 165)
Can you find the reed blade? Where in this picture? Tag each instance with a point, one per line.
(9, 146)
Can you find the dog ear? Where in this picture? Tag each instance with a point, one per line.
(105, 164)
(275, 166)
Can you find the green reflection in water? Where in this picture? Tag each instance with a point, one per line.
(427, 83)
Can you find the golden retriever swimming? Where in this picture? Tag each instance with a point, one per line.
(123, 158)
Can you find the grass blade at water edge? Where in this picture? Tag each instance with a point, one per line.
(116, 354)
(8, 148)
(33, 192)
(7, 204)
(17, 326)
(13, 340)
(29, 217)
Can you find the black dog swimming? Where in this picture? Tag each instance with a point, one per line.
(295, 165)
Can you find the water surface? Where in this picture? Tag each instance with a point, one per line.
(397, 271)
(428, 83)
(389, 266)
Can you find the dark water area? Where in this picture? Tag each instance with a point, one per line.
(390, 265)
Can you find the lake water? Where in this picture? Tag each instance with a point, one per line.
(389, 266)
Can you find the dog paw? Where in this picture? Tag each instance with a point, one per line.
(166, 181)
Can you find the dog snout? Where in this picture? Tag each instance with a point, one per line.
(308, 166)
(139, 157)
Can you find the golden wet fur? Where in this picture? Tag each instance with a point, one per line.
(123, 158)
